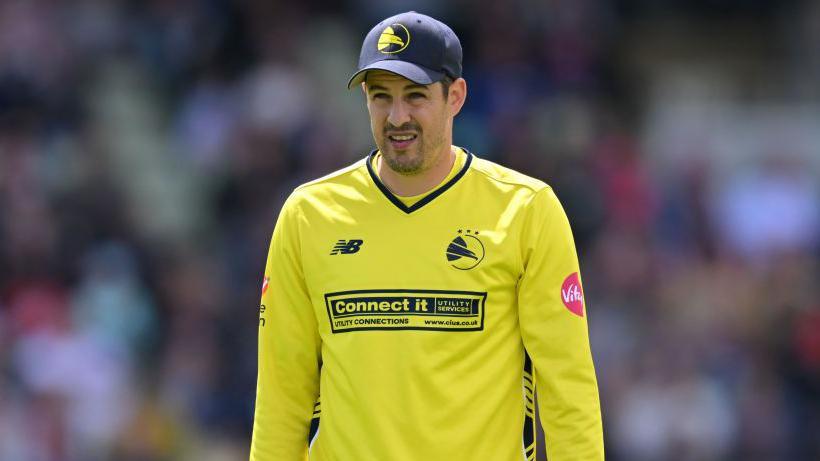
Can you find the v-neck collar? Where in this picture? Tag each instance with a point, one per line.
(427, 198)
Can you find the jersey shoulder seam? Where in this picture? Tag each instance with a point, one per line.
(350, 169)
(537, 186)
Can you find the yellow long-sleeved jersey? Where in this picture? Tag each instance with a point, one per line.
(418, 332)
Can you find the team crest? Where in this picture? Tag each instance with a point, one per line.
(394, 38)
(466, 250)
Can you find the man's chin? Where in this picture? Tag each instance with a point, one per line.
(402, 163)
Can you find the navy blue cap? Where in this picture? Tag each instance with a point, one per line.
(415, 46)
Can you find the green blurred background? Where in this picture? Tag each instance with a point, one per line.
(146, 147)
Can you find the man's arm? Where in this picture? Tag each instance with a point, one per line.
(553, 325)
(289, 350)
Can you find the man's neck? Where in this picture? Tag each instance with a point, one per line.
(408, 186)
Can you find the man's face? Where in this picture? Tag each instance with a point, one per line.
(411, 123)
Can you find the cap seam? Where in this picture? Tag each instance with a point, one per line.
(443, 50)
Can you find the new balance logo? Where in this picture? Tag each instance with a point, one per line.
(346, 247)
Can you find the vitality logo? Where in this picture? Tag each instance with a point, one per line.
(346, 247)
(572, 294)
(466, 250)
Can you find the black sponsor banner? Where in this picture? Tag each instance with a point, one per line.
(405, 309)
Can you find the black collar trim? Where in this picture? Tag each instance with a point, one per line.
(427, 198)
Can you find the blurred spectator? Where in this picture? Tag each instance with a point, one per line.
(770, 210)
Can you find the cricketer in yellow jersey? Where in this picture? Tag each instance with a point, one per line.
(413, 301)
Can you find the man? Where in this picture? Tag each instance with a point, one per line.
(412, 301)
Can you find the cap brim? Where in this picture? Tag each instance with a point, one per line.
(413, 72)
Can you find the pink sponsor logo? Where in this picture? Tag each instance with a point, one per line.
(265, 285)
(572, 295)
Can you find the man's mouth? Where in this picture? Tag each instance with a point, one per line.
(402, 141)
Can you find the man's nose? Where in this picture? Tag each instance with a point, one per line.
(399, 113)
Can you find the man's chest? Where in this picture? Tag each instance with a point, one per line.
(385, 273)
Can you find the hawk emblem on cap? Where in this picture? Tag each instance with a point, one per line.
(393, 39)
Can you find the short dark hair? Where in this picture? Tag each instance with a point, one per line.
(446, 81)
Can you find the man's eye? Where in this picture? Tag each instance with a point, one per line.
(380, 96)
(416, 95)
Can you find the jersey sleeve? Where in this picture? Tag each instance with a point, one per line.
(553, 325)
(289, 350)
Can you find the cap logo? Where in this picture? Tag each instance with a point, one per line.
(393, 39)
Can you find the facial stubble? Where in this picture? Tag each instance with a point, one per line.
(404, 162)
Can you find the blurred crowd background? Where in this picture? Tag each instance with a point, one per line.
(146, 147)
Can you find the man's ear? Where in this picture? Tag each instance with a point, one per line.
(456, 96)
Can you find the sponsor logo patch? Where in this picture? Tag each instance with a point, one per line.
(572, 294)
(346, 247)
(439, 310)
